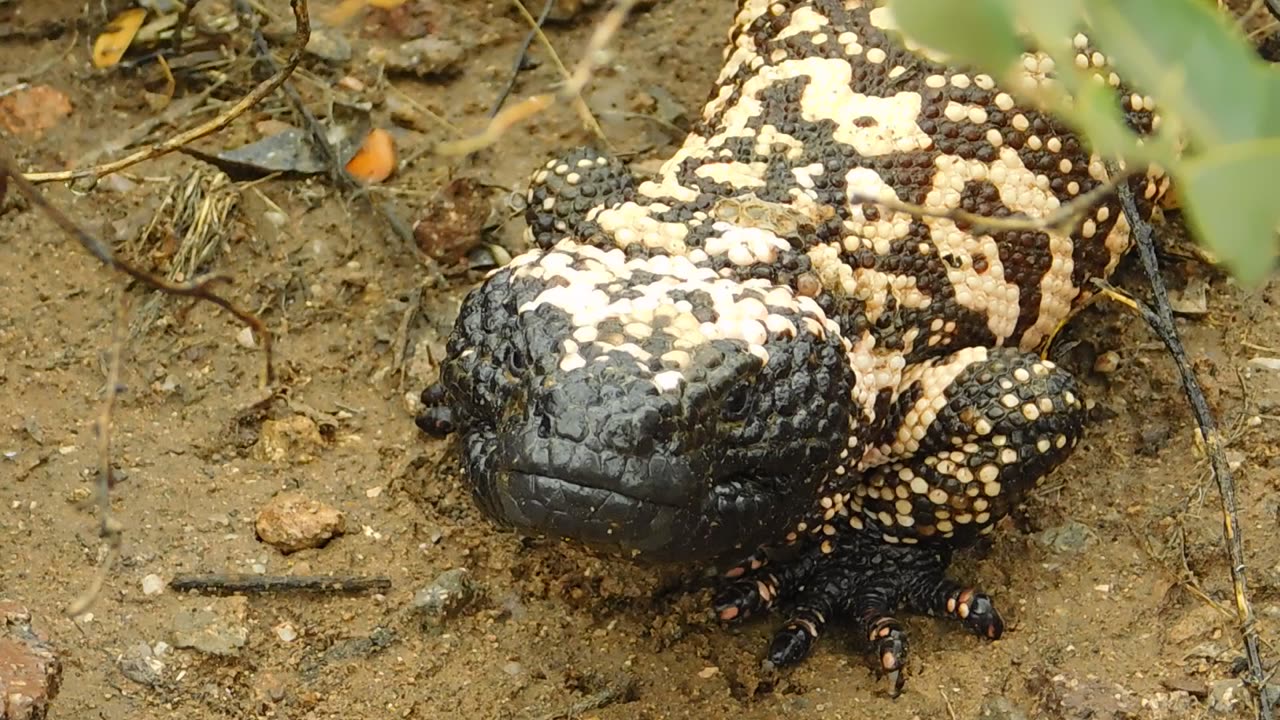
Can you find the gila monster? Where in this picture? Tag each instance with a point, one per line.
(748, 360)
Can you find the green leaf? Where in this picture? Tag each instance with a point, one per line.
(1233, 203)
(1096, 113)
(1184, 53)
(980, 33)
(1051, 23)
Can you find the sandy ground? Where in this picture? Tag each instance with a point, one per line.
(1114, 580)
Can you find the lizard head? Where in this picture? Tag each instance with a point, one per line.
(646, 406)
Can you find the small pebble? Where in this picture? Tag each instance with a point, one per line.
(1071, 537)
(245, 338)
(295, 439)
(286, 632)
(152, 585)
(329, 45)
(422, 57)
(291, 522)
(1000, 708)
(1225, 695)
(1191, 300)
(1107, 363)
(447, 595)
(708, 672)
(142, 665)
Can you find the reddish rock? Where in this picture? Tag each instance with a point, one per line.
(292, 522)
(33, 111)
(30, 671)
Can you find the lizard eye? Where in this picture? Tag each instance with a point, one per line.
(516, 360)
(738, 403)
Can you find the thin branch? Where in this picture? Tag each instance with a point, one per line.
(219, 584)
(265, 88)
(109, 528)
(520, 58)
(569, 91)
(200, 288)
(1161, 321)
(1063, 220)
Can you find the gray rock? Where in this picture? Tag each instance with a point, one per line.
(1000, 708)
(1089, 698)
(218, 628)
(329, 45)
(141, 665)
(1232, 697)
(447, 595)
(1227, 695)
(422, 57)
(1072, 537)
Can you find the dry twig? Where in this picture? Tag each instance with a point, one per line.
(1161, 321)
(109, 528)
(1064, 219)
(220, 584)
(200, 288)
(570, 91)
(520, 58)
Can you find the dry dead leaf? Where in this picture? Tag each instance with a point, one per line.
(116, 38)
(376, 159)
(347, 9)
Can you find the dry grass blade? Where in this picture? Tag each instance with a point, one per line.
(570, 91)
(301, 36)
(196, 212)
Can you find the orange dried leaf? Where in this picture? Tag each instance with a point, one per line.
(376, 159)
(115, 40)
(343, 12)
(348, 9)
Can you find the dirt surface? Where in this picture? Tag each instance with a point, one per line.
(1113, 580)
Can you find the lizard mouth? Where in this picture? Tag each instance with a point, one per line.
(648, 509)
(599, 517)
(731, 517)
